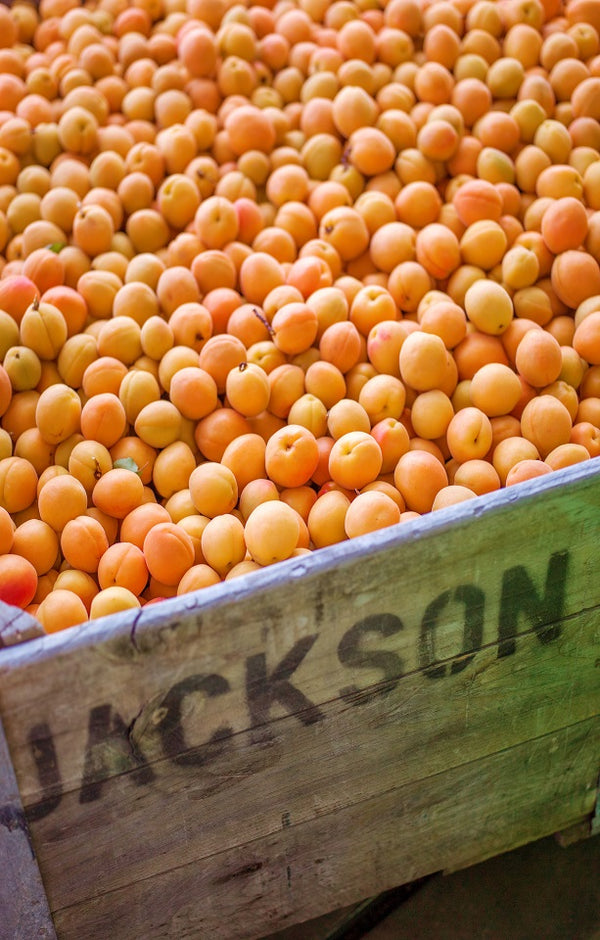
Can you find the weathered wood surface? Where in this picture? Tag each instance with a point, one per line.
(24, 912)
(516, 794)
(236, 761)
(16, 626)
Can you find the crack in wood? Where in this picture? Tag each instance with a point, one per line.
(240, 873)
(595, 820)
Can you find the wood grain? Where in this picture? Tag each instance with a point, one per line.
(502, 801)
(17, 626)
(410, 731)
(24, 912)
(352, 706)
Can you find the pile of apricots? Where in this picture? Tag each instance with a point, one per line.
(278, 274)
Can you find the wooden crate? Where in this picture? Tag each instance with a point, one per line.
(237, 761)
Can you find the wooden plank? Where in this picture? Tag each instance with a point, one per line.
(24, 910)
(275, 709)
(248, 891)
(415, 728)
(16, 626)
(335, 620)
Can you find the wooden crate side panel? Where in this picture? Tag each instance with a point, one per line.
(159, 729)
(215, 797)
(17, 626)
(24, 911)
(501, 801)
(290, 641)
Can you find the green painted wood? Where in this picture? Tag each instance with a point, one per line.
(352, 706)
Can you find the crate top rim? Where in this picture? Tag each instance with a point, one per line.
(153, 617)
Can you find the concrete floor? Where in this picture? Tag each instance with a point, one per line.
(542, 891)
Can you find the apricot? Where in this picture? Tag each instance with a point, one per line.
(477, 475)
(422, 359)
(169, 552)
(469, 434)
(495, 389)
(586, 338)
(419, 476)
(213, 489)
(528, 469)
(437, 249)
(223, 543)
(431, 414)
(326, 519)
(112, 600)
(345, 230)
(369, 512)
(538, 358)
(61, 608)
(489, 307)
(564, 225)
(36, 541)
(271, 532)
(218, 429)
(103, 419)
(83, 541)
(355, 460)
(291, 456)
(18, 580)
(546, 422)
(61, 499)
(294, 328)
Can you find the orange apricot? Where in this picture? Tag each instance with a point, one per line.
(369, 512)
(509, 452)
(169, 552)
(538, 358)
(495, 389)
(123, 565)
(294, 327)
(61, 499)
(223, 543)
(564, 225)
(528, 469)
(112, 600)
(478, 475)
(469, 434)
(245, 457)
(546, 423)
(18, 580)
(61, 608)
(489, 307)
(431, 413)
(103, 419)
(451, 495)
(198, 577)
(575, 276)
(327, 517)
(83, 542)
(291, 456)
(437, 249)
(355, 460)
(36, 541)
(423, 359)
(117, 492)
(137, 523)
(419, 476)
(213, 489)
(586, 338)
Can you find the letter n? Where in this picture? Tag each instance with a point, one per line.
(543, 611)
